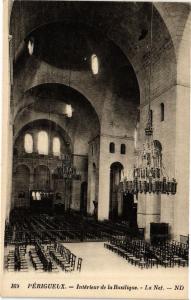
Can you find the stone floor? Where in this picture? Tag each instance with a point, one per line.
(101, 267)
(98, 259)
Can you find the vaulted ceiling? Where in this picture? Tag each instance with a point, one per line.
(67, 33)
(126, 24)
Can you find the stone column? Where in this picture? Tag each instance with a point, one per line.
(89, 210)
(92, 188)
(104, 184)
(75, 203)
(120, 203)
(7, 135)
(35, 141)
(148, 211)
(103, 196)
(141, 210)
(31, 184)
(167, 211)
(152, 212)
(181, 204)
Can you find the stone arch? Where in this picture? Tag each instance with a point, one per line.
(18, 165)
(163, 11)
(183, 55)
(22, 165)
(59, 95)
(169, 15)
(54, 124)
(100, 100)
(29, 97)
(158, 145)
(56, 17)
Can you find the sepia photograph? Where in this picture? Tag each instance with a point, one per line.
(95, 149)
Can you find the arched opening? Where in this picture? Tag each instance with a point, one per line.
(28, 143)
(83, 198)
(21, 186)
(129, 210)
(158, 145)
(50, 128)
(31, 45)
(162, 112)
(112, 147)
(158, 148)
(123, 149)
(42, 144)
(94, 64)
(115, 177)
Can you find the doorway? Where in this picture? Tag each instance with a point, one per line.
(115, 178)
(129, 211)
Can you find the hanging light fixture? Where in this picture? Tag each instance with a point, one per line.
(148, 174)
(67, 171)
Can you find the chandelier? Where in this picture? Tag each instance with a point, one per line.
(66, 170)
(148, 174)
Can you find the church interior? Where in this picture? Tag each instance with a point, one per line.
(97, 136)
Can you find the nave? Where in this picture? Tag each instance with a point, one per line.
(96, 149)
(96, 258)
(71, 242)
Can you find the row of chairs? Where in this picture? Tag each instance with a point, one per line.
(135, 258)
(174, 248)
(143, 254)
(168, 258)
(41, 259)
(65, 261)
(65, 258)
(16, 260)
(29, 228)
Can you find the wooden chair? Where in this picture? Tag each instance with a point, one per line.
(183, 262)
(79, 264)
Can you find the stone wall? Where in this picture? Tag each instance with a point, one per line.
(105, 109)
(106, 159)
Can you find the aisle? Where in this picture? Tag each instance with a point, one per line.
(98, 259)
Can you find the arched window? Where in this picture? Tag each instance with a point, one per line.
(31, 45)
(94, 64)
(158, 145)
(123, 149)
(162, 112)
(42, 144)
(69, 110)
(56, 146)
(112, 148)
(28, 143)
